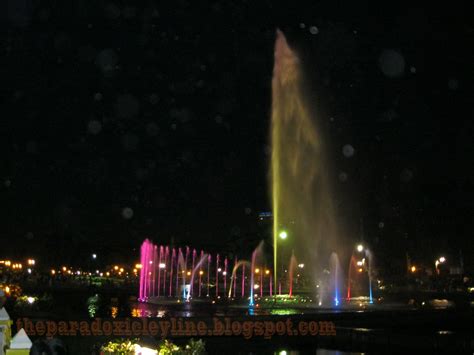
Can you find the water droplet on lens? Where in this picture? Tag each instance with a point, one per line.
(348, 150)
(127, 213)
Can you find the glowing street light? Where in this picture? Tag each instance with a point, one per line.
(441, 260)
(282, 235)
(413, 269)
(360, 248)
(94, 256)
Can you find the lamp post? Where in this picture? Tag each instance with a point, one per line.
(439, 261)
(366, 252)
(281, 235)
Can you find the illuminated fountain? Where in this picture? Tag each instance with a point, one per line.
(179, 273)
(291, 271)
(303, 214)
(255, 253)
(202, 259)
(233, 278)
(300, 189)
(335, 273)
(357, 270)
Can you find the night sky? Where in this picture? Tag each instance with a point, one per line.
(122, 120)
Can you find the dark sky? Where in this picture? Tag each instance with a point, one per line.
(128, 119)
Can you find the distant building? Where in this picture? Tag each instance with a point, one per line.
(265, 216)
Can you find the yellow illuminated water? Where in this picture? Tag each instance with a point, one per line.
(301, 198)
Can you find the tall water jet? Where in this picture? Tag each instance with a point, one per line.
(291, 271)
(217, 275)
(179, 258)
(182, 265)
(234, 274)
(352, 265)
(255, 253)
(242, 291)
(335, 283)
(209, 259)
(225, 274)
(301, 197)
(146, 254)
(159, 269)
(200, 274)
(191, 282)
(368, 254)
(173, 259)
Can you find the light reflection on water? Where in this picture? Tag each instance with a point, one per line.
(318, 352)
(283, 312)
(146, 313)
(141, 310)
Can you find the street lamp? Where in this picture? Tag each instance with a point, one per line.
(282, 235)
(441, 260)
(94, 256)
(360, 248)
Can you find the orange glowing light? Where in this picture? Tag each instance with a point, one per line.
(360, 270)
(257, 270)
(413, 268)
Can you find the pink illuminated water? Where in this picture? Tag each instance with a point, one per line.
(171, 272)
